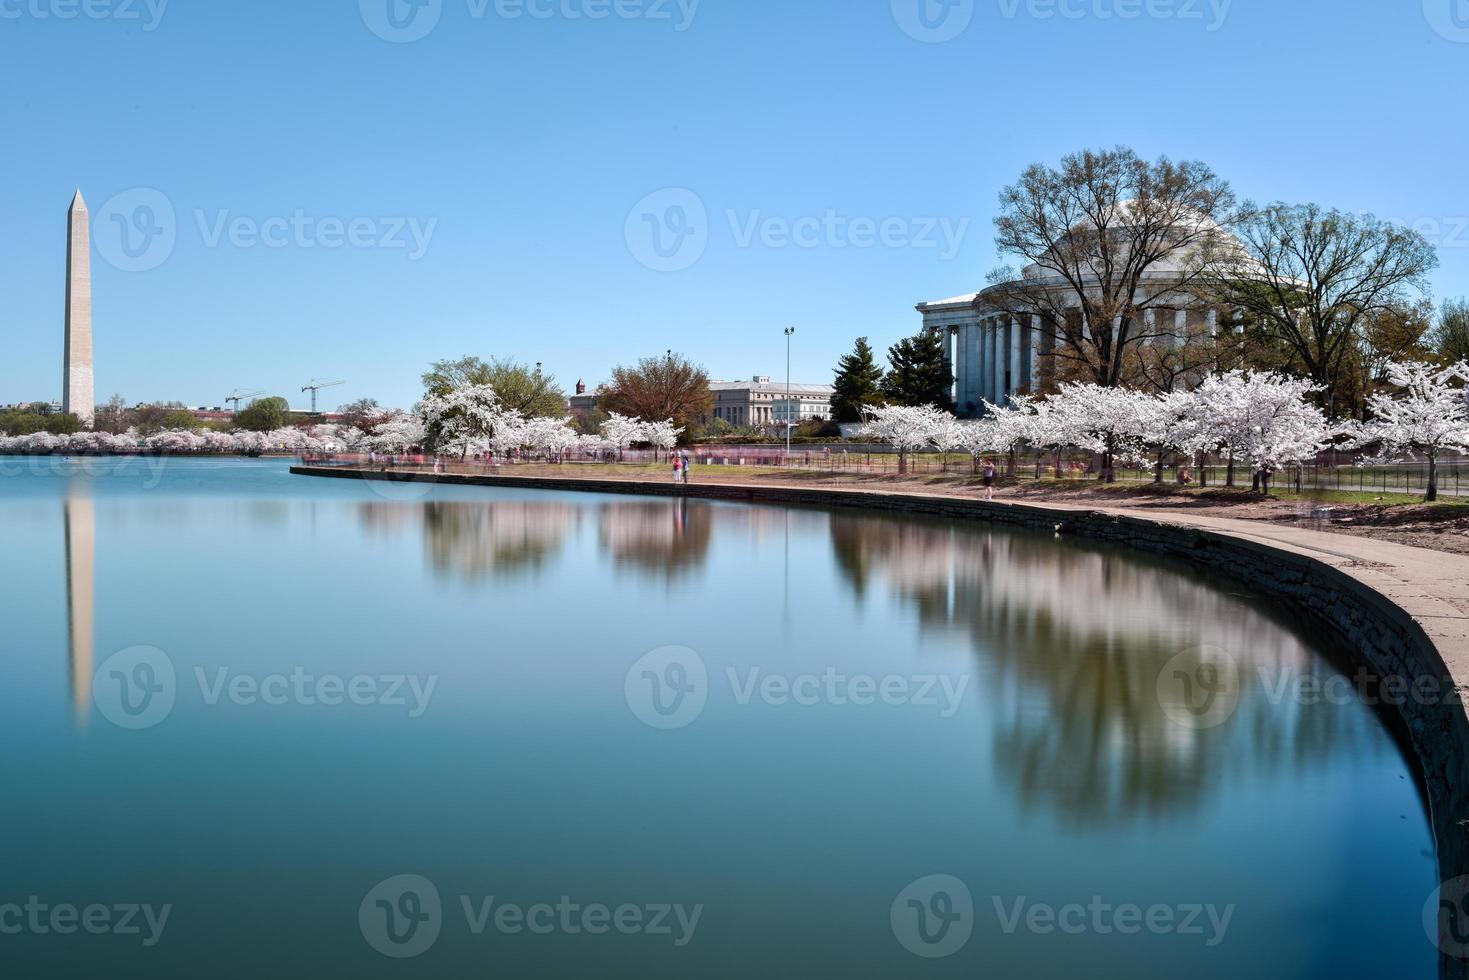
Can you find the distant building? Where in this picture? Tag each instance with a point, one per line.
(584, 403)
(760, 402)
(757, 402)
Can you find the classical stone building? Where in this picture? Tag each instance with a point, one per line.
(995, 354)
(761, 402)
(757, 402)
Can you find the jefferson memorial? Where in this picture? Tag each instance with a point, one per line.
(995, 354)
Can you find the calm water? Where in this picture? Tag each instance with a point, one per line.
(709, 740)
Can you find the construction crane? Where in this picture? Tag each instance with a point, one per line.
(314, 386)
(240, 396)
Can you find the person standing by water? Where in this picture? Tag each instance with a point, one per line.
(677, 467)
(989, 479)
(687, 464)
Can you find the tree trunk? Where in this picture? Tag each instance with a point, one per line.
(1203, 469)
(902, 462)
(1229, 471)
(1158, 469)
(1432, 478)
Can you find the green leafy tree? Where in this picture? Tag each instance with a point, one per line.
(264, 415)
(526, 389)
(21, 423)
(63, 424)
(920, 373)
(858, 384)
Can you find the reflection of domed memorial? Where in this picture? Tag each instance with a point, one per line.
(1083, 633)
(1026, 332)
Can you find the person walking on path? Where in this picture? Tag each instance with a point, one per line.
(989, 479)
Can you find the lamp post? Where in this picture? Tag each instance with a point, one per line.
(790, 332)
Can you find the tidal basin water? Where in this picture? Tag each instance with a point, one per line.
(263, 725)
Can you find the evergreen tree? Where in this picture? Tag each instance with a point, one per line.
(858, 384)
(920, 372)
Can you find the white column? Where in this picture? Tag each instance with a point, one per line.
(961, 366)
(1001, 329)
(1015, 359)
(981, 362)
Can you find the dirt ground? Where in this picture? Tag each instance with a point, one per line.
(1405, 520)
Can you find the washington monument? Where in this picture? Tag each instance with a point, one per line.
(77, 395)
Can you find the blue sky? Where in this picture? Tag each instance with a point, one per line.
(348, 202)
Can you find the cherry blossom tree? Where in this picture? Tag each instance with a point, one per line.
(1002, 429)
(661, 435)
(397, 434)
(907, 428)
(463, 419)
(1428, 418)
(1262, 418)
(621, 431)
(1112, 422)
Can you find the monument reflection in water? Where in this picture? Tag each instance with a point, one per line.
(1041, 770)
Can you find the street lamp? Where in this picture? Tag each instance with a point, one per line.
(790, 414)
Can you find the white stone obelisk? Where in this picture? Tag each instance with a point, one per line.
(77, 395)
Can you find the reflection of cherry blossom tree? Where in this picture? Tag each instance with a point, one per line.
(1429, 418)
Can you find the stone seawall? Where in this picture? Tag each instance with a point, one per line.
(1384, 637)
